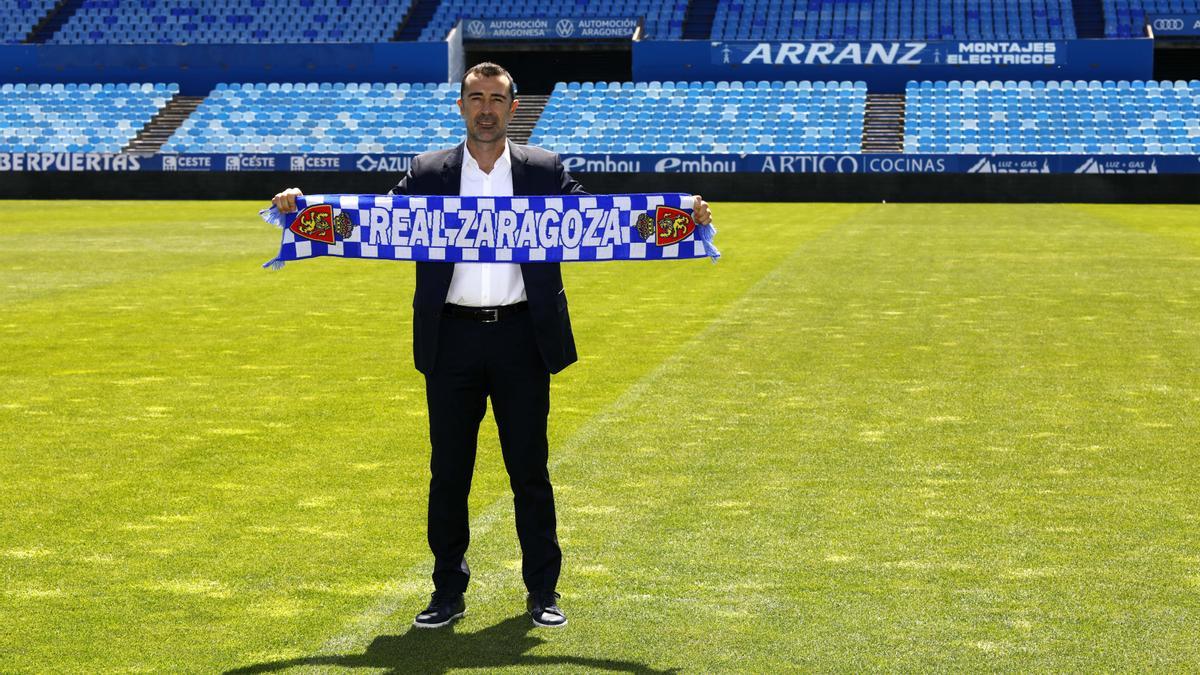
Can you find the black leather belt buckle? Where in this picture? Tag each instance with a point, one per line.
(484, 314)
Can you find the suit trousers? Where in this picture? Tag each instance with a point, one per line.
(476, 361)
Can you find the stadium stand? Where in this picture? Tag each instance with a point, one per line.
(231, 21)
(19, 18)
(893, 20)
(664, 18)
(1127, 18)
(77, 117)
(322, 118)
(1069, 117)
(1053, 117)
(721, 117)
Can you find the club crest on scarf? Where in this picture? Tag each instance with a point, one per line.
(667, 226)
(315, 222)
(343, 225)
(319, 224)
(673, 226)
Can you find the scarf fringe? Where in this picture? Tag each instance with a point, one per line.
(272, 216)
(705, 234)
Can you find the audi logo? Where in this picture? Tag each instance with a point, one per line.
(1167, 24)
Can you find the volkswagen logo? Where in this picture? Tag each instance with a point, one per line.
(476, 28)
(564, 27)
(1167, 24)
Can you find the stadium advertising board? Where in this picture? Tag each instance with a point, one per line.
(618, 163)
(887, 65)
(883, 163)
(45, 162)
(1172, 25)
(546, 28)
(1021, 53)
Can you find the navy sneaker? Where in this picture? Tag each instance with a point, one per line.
(442, 609)
(543, 608)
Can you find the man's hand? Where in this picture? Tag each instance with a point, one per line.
(700, 211)
(286, 201)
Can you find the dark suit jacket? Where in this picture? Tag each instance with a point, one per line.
(534, 172)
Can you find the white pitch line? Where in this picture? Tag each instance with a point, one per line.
(366, 624)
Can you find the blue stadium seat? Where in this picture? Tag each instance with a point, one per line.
(329, 118)
(892, 20)
(1053, 117)
(19, 18)
(230, 21)
(733, 117)
(76, 117)
(1128, 18)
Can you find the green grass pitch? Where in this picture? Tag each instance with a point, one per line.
(873, 437)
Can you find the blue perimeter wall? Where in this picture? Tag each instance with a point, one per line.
(198, 68)
(887, 65)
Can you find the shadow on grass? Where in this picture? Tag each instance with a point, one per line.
(423, 650)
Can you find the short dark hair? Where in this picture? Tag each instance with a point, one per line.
(488, 69)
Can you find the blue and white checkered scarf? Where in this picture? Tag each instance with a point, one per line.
(492, 229)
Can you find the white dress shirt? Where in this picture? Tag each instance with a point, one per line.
(486, 284)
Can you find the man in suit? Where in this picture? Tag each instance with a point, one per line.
(490, 330)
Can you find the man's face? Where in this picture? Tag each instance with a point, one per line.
(486, 108)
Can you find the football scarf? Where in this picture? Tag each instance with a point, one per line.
(492, 229)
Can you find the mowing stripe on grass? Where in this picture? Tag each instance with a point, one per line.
(366, 624)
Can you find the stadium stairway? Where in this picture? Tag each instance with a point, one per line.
(883, 123)
(697, 23)
(53, 20)
(526, 117)
(418, 17)
(1089, 18)
(164, 123)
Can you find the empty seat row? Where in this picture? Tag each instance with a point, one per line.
(700, 117)
(893, 20)
(284, 21)
(968, 117)
(322, 118)
(231, 21)
(1071, 117)
(18, 18)
(1128, 18)
(76, 117)
(143, 87)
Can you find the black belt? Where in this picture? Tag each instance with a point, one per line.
(484, 314)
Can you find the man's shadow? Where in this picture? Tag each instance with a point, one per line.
(423, 650)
